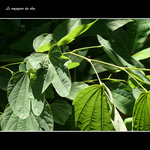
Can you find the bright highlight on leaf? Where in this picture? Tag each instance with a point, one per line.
(72, 28)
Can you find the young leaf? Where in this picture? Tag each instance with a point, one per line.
(70, 29)
(91, 109)
(141, 113)
(18, 92)
(61, 81)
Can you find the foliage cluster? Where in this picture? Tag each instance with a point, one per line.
(75, 74)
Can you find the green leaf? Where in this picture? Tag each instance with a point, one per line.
(35, 60)
(76, 87)
(43, 79)
(143, 54)
(72, 65)
(141, 112)
(120, 61)
(91, 109)
(44, 74)
(122, 96)
(45, 120)
(70, 29)
(37, 102)
(11, 122)
(43, 42)
(138, 30)
(61, 111)
(106, 26)
(61, 81)
(128, 123)
(18, 92)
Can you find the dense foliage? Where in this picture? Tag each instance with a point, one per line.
(75, 74)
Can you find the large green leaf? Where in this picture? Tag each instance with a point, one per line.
(18, 92)
(61, 81)
(70, 29)
(141, 113)
(138, 30)
(91, 109)
(11, 122)
(61, 111)
(120, 61)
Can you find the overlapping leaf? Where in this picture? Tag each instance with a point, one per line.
(61, 81)
(122, 96)
(120, 61)
(58, 107)
(11, 122)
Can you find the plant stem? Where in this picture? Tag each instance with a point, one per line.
(8, 70)
(95, 72)
(11, 64)
(119, 67)
(89, 60)
(135, 80)
(83, 48)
